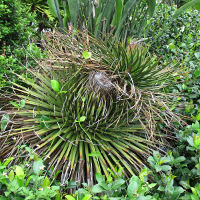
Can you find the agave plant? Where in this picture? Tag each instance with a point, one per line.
(92, 107)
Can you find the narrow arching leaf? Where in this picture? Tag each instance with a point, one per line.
(151, 7)
(106, 16)
(118, 13)
(126, 11)
(74, 10)
(186, 6)
(52, 7)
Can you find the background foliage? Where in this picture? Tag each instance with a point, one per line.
(18, 26)
(178, 40)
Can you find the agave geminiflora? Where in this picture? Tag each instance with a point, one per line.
(101, 114)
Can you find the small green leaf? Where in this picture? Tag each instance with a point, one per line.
(87, 55)
(37, 166)
(71, 185)
(83, 99)
(69, 197)
(87, 197)
(152, 185)
(109, 178)
(4, 122)
(96, 189)
(195, 126)
(166, 168)
(196, 139)
(100, 178)
(190, 141)
(28, 180)
(143, 174)
(117, 184)
(8, 161)
(172, 46)
(11, 175)
(197, 73)
(82, 119)
(22, 103)
(132, 189)
(197, 117)
(19, 172)
(55, 85)
(14, 104)
(46, 182)
(179, 159)
(197, 55)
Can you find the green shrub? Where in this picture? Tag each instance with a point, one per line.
(17, 30)
(16, 24)
(178, 40)
(178, 173)
(26, 181)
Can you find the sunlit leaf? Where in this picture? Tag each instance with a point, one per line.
(19, 172)
(14, 104)
(82, 118)
(55, 85)
(46, 182)
(87, 55)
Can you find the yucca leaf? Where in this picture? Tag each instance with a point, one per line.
(126, 11)
(186, 6)
(151, 7)
(105, 17)
(118, 13)
(52, 7)
(74, 10)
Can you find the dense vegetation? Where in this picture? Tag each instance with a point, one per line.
(94, 111)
